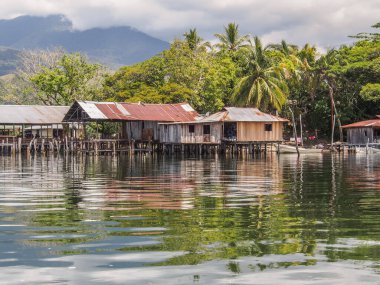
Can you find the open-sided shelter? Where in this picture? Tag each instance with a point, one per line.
(32, 120)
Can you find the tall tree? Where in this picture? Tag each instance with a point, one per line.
(18, 88)
(231, 39)
(192, 39)
(264, 85)
(72, 78)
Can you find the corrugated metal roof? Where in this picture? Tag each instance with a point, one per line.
(92, 110)
(113, 111)
(369, 123)
(250, 115)
(181, 112)
(161, 112)
(32, 114)
(235, 114)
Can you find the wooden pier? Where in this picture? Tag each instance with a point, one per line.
(10, 144)
(252, 148)
(356, 148)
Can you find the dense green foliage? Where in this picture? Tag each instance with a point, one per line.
(241, 71)
(185, 72)
(237, 70)
(73, 78)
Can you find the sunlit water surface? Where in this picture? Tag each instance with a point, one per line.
(159, 220)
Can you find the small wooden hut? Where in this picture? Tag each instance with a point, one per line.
(232, 124)
(137, 121)
(361, 133)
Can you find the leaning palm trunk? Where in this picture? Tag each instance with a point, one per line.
(294, 131)
(331, 94)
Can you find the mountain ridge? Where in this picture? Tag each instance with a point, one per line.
(112, 46)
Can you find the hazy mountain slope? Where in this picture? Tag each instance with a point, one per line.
(9, 60)
(113, 46)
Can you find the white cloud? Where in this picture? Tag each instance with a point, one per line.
(323, 22)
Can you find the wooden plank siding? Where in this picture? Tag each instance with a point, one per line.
(199, 137)
(141, 130)
(255, 132)
(170, 133)
(180, 133)
(360, 135)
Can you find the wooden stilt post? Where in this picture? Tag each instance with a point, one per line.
(19, 145)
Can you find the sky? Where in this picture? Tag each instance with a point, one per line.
(324, 23)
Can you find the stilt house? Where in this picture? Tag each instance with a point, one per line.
(137, 121)
(361, 133)
(29, 121)
(232, 124)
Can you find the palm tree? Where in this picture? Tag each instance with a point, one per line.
(283, 47)
(264, 85)
(231, 40)
(194, 41)
(291, 63)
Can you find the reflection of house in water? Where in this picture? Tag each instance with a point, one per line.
(366, 177)
(186, 183)
(163, 192)
(264, 177)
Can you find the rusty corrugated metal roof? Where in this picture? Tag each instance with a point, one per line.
(91, 110)
(32, 114)
(181, 112)
(161, 112)
(369, 123)
(114, 111)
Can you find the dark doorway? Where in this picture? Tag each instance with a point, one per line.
(206, 129)
(230, 131)
(376, 135)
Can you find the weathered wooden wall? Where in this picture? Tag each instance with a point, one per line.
(170, 133)
(359, 135)
(255, 131)
(199, 137)
(141, 130)
(179, 133)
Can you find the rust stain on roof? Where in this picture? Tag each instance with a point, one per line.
(181, 112)
(363, 124)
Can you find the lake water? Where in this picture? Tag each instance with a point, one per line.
(163, 220)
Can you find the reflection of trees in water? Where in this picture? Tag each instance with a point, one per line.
(218, 208)
(326, 196)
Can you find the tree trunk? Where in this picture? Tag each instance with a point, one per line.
(294, 130)
(333, 110)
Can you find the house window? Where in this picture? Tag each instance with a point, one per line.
(206, 130)
(365, 133)
(268, 127)
(191, 128)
